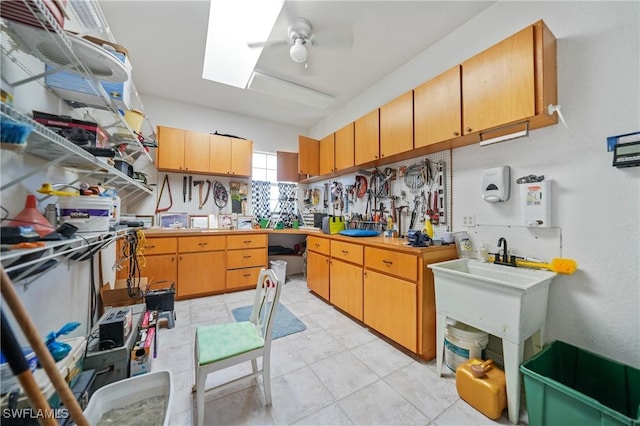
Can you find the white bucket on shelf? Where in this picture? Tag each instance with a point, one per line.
(462, 342)
(87, 213)
(280, 269)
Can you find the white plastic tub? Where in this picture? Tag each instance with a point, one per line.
(132, 391)
(88, 213)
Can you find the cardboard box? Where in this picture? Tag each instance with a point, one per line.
(142, 352)
(119, 296)
(79, 132)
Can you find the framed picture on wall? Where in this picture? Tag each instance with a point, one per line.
(213, 221)
(174, 220)
(199, 221)
(225, 221)
(147, 221)
(245, 222)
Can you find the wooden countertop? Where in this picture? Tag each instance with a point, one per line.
(399, 244)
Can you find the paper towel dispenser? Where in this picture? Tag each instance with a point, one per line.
(495, 184)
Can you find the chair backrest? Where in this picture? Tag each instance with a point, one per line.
(266, 302)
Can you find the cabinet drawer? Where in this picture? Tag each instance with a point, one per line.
(160, 246)
(246, 241)
(391, 262)
(319, 245)
(243, 277)
(347, 251)
(205, 243)
(246, 258)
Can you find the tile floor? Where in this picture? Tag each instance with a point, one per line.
(336, 372)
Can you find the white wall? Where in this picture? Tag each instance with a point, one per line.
(595, 206)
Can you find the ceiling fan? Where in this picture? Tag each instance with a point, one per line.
(300, 36)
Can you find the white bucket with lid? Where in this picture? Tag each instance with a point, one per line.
(462, 342)
(87, 213)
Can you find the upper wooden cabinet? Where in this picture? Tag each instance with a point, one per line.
(196, 152)
(327, 154)
(193, 152)
(396, 126)
(170, 155)
(308, 156)
(344, 149)
(437, 109)
(287, 166)
(230, 156)
(512, 81)
(367, 138)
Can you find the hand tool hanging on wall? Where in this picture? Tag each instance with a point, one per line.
(435, 218)
(441, 193)
(190, 183)
(200, 185)
(414, 212)
(206, 197)
(165, 181)
(184, 189)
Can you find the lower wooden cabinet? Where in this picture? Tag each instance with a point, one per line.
(246, 256)
(160, 267)
(201, 273)
(346, 287)
(391, 307)
(318, 273)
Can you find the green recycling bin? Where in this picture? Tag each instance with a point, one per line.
(566, 385)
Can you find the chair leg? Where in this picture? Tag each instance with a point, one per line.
(266, 378)
(200, 383)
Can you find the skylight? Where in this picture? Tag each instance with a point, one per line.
(233, 23)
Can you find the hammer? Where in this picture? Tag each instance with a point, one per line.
(200, 184)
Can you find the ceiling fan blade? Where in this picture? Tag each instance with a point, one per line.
(266, 43)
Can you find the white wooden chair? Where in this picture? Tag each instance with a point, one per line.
(220, 346)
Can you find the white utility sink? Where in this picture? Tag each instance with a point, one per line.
(508, 302)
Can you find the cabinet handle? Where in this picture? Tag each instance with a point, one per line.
(246, 275)
(247, 256)
(317, 245)
(328, 261)
(456, 133)
(149, 247)
(468, 129)
(345, 251)
(247, 241)
(202, 244)
(387, 262)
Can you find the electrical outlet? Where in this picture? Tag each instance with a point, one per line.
(469, 220)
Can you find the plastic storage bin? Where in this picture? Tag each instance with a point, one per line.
(566, 385)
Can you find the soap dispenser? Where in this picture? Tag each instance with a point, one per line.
(495, 184)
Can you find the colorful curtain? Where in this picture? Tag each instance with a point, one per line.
(287, 203)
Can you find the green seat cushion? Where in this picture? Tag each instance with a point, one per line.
(220, 341)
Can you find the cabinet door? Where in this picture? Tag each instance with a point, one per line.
(241, 157)
(344, 147)
(170, 155)
(308, 156)
(287, 166)
(437, 109)
(327, 154)
(196, 152)
(160, 268)
(367, 138)
(396, 126)
(200, 273)
(498, 84)
(318, 274)
(390, 307)
(219, 154)
(346, 287)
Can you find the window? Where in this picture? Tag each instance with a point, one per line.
(265, 168)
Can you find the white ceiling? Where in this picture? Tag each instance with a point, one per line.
(357, 43)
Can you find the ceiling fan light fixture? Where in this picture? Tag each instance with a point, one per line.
(298, 51)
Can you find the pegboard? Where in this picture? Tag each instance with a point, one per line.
(404, 189)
